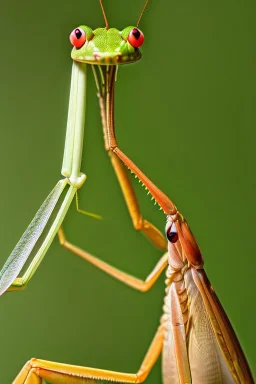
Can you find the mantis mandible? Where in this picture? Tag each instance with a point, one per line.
(187, 285)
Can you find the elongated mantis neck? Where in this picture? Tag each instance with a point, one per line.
(71, 166)
(106, 96)
(110, 102)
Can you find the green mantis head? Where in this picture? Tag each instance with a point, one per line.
(106, 46)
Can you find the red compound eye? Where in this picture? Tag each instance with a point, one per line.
(172, 234)
(136, 38)
(77, 37)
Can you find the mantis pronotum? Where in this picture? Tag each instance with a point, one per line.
(52, 369)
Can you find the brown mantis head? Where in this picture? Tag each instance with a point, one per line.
(180, 238)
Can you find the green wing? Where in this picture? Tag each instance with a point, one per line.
(22, 250)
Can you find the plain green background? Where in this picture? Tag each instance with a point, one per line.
(185, 114)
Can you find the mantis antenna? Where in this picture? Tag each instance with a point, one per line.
(142, 12)
(104, 14)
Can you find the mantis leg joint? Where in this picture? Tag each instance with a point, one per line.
(18, 285)
(141, 376)
(77, 182)
(62, 237)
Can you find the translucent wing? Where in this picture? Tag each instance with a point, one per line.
(223, 330)
(22, 250)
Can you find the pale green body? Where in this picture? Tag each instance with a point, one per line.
(103, 47)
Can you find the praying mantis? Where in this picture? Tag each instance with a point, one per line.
(77, 181)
